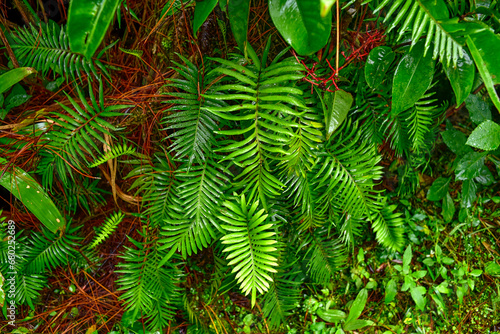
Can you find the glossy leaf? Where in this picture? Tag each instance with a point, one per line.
(201, 12)
(13, 76)
(238, 11)
(378, 62)
(412, 78)
(357, 306)
(336, 105)
(331, 315)
(461, 77)
(469, 189)
(479, 109)
(485, 137)
(448, 208)
(470, 165)
(88, 22)
(33, 197)
(485, 48)
(438, 189)
(455, 140)
(300, 23)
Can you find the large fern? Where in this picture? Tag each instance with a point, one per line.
(150, 290)
(249, 245)
(46, 48)
(192, 222)
(263, 111)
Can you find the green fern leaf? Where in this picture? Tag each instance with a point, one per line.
(47, 48)
(249, 245)
(107, 229)
(114, 153)
(192, 224)
(388, 226)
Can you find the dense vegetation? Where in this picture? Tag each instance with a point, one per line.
(299, 166)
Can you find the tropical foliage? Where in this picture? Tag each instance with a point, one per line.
(270, 162)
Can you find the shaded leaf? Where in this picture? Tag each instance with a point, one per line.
(336, 105)
(378, 62)
(238, 11)
(201, 12)
(461, 77)
(479, 109)
(439, 188)
(448, 208)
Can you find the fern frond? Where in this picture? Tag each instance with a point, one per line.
(81, 193)
(249, 245)
(283, 295)
(193, 125)
(193, 224)
(388, 227)
(325, 256)
(265, 106)
(115, 152)
(107, 229)
(48, 250)
(28, 287)
(348, 170)
(150, 289)
(74, 135)
(47, 48)
(431, 17)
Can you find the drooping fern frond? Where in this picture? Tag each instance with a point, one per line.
(107, 228)
(249, 245)
(192, 222)
(431, 17)
(28, 287)
(388, 227)
(113, 153)
(193, 125)
(150, 290)
(264, 107)
(349, 170)
(421, 119)
(72, 141)
(47, 48)
(325, 255)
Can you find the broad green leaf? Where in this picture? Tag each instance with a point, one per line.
(336, 105)
(32, 195)
(484, 46)
(417, 294)
(12, 77)
(357, 306)
(461, 77)
(407, 260)
(479, 110)
(412, 78)
(300, 23)
(391, 291)
(238, 11)
(485, 137)
(476, 272)
(357, 324)
(455, 140)
(331, 315)
(439, 189)
(201, 12)
(88, 22)
(470, 166)
(448, 208)
(378, 62)
(469, 189)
